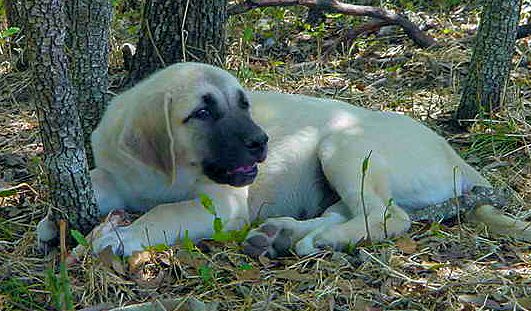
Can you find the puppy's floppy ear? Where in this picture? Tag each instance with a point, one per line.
(147, 137)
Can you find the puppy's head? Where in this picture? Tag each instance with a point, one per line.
(203, 120)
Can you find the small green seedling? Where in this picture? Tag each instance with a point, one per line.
(16, 295)
(220, 234)
(436, 230)
(248, 34)
(188, 244)
(80, 239)
(158, 248)
(9, 32)
(245, 267)
(4, 193)
(59, 287)
(206, 274)
(364, 169)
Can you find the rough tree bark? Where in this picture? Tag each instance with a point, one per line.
(491, 59)
(179, 30)
(88, 39)
(14, 15)
(69, 183)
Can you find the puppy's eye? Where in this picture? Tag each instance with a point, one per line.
(202, 114)
(244, 104)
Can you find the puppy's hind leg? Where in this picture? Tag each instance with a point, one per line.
(500, 224)
(379, 224)
(369, 212)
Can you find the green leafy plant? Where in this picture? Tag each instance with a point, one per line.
(188, 244)
(16, 293)
(436, 229)
(364, 169)
(318, 31)
(220, 234)
(350, 248)
(4, 193)
(207, 203)
(161, 247)
(206, 274)
(59, 287)
(245, 267)
(80, 239)
(494, 139)
(386, 215)
(9, 32)
(248, 35)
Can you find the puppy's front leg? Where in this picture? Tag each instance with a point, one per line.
(168, 223)
(107, 198)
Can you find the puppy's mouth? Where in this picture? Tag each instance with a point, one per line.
(238, 176)
(242, 175)
(245, 170)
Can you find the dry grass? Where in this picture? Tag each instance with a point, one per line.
(434, 267)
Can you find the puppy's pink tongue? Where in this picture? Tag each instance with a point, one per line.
(243, 169)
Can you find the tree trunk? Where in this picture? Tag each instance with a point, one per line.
(179, 30)
(68, 180)
(88, 40)
(491, 59)
(14, 14)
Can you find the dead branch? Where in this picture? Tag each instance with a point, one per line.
(367, 28)
(419, 37)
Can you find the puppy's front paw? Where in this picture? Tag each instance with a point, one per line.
(47, 234)
(326, 241)
(112, 232)
(269, 240)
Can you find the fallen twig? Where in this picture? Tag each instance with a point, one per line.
(400, 275)
(369, 27)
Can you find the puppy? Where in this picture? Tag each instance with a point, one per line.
(335, 174)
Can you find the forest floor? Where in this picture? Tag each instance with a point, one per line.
(449, 266)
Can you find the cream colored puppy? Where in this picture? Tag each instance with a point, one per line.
(187, 131)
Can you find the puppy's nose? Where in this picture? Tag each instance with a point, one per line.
(257, 143)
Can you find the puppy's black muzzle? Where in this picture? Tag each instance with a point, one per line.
(257, 146)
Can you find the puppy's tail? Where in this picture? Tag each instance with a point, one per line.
(496, 222)
(481, 205)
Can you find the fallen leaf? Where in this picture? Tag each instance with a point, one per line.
(109, 260)
(292, 275)
(434, 266)
(454, 252)
(190, 259)
(480, 300)
(360, 87)
(248, 275)
(137, 259)
(406, 245)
